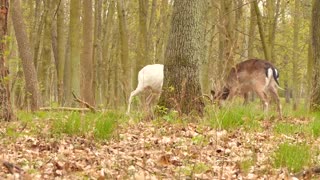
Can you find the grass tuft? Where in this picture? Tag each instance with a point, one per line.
(234, 117)
(289, 128)
(105, 125)
(292, 156)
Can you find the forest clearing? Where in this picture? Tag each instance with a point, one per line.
(154, 89)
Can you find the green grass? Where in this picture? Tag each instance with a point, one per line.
(289, 128)
(292, 156)
(315, 128)
(245, 165)
(101, 125)
(106, 124)
(233, 117)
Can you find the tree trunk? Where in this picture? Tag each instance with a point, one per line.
(45, 62)
(162, 26)
(252, 28)
(5, 104)
(86, 58)
(295, 74)
(98, 81)
(266, 50)
(226, 21)
(124, 53)
(151, 30)
(315, 36)
(74, 34)
(142, 51)
(107, 43)
(61, 45)
(270, 26)
(26, 56)
(181, 89)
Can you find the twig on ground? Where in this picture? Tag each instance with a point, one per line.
(93, 109)
(307, 173)
(11, 167)
(63, 109)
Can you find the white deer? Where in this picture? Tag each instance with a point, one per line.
(150, 77)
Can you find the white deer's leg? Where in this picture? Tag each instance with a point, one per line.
(149, 100)
(133, 93)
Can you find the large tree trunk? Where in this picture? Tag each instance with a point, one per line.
(181, 87)
(5, 104)
(26, 56)
(87, 92)
(315, 36)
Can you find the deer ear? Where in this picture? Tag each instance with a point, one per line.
(213, 93)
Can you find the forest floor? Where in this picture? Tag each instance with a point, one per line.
(158, 149)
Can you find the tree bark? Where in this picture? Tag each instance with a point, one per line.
(6, 113)
(61, 45)
(107, 44)
(75, 46)
(45, 61)
(315, 37)
(295, 71)
(98, 81)
(86, 58)
(162, 26)
(124, 53)
(26, 56)
(266, 50)
(181, 88)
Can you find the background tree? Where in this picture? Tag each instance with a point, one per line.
(61, 45)
(5, 104)
(26, 56)
(87, 92)
(295, 58)
(315, 36)
(124, 52)
(74, 34)
(181, 68)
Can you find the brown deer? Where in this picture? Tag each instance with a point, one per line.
(254, 75)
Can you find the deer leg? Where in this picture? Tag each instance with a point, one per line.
(149, 100)
(262, 95)
(231, 95)
(133, 93)
(275, 96)
(246, 98)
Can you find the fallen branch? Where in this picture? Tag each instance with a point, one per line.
(64, 109)
(87, 105)
(11, 167)
(307, 173)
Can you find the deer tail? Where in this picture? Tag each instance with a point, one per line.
(276, 77)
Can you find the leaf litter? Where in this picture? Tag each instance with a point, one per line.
(146, 150)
